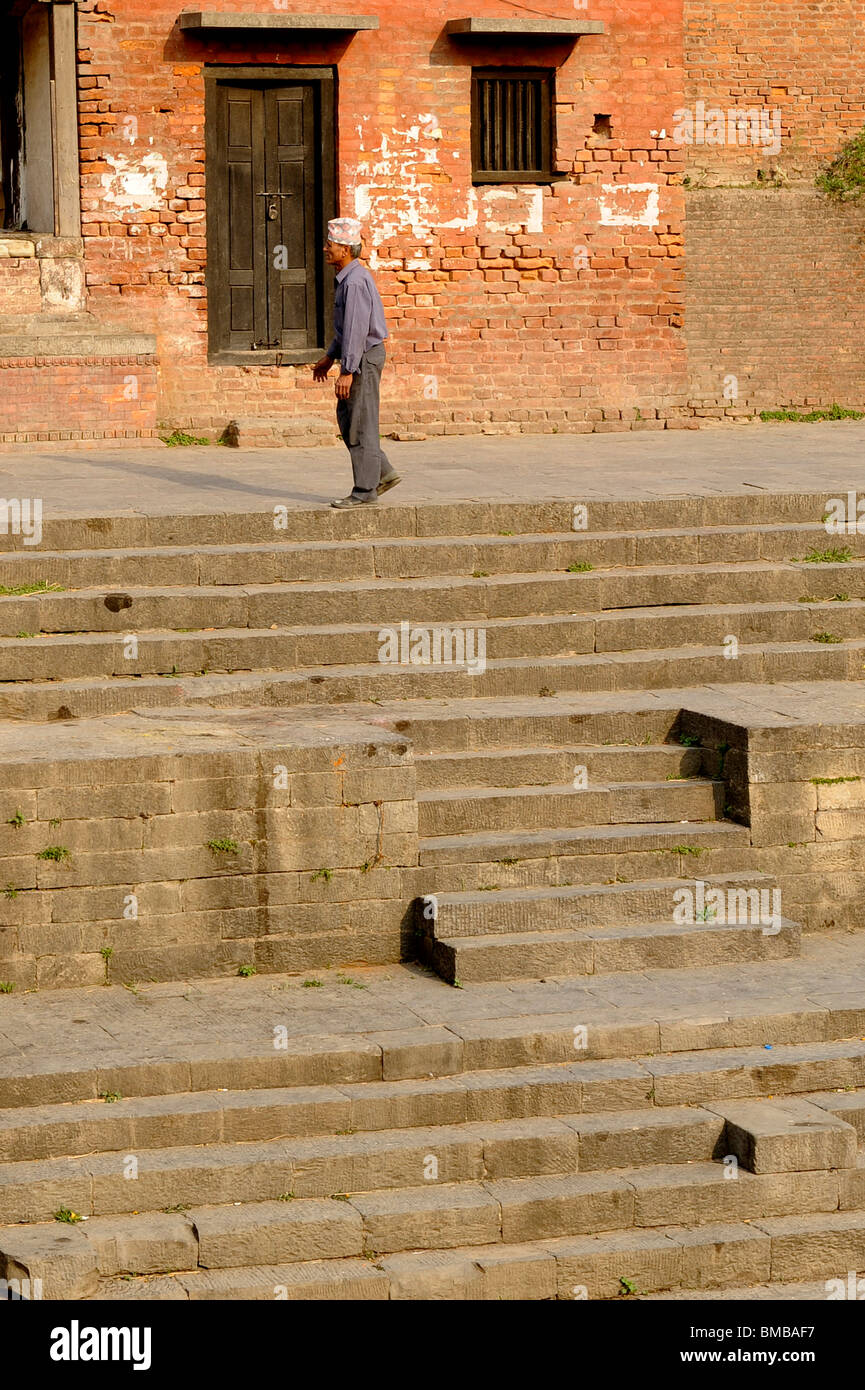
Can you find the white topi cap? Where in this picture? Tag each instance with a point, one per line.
(344, 230)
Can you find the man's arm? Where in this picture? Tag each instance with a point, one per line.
(355, 328)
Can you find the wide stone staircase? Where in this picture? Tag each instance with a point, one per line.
(637, 1093)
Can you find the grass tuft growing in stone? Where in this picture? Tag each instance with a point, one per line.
(181, 439)
(67, 1215)
(826, 637)
(56, 853)
(23, 590)
(836, 555)
(244, 971)
(223, 846)
(812, 417)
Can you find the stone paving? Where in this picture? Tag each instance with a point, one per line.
(99, 481)
(104, 1024)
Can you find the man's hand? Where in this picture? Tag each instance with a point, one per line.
(343, 385)
(321, 368)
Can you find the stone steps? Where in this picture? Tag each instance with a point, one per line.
(772, 589)
(595, 1168)
(548, 908)
(522, 766)
(378, 1158)
(34, 654)
(273, 558)
(632, 1137)
(660, 1227)
(802, 1042)
(539, 955)
(508, 677)
(616, 845)
(580, 1117)
(450, 812)
(666, 1262)
(161, 647)
(394, 521)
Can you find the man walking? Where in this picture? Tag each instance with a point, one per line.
(359, 331)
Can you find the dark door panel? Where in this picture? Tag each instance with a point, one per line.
(270, 182)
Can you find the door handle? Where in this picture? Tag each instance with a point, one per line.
(272, 212)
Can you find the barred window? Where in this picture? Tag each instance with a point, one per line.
(512, 137)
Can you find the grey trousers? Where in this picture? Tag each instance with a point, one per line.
(357, 418)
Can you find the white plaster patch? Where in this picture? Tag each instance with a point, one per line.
(398, 190)
(137, 184)
(525, 206)
(629, 204)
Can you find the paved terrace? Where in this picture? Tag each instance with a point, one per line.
(201, 479)
(103, 1026)
(764, 1003)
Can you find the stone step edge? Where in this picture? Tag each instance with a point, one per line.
(158, 550)
(630, 932)
(72, 1114)
(481, 791)
(524, 1176)
(580, 891)
(145, 1107)
(491, 513)
(405, 584)
(482, 840)
(549, 1268)
(199, 689)
(621, 1051)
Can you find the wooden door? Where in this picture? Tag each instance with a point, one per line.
(270, 192)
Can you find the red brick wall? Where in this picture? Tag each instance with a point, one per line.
(20, 289)
(776, 312)
(800, 57)
(53, 398)
(775, 276)
(549, 308)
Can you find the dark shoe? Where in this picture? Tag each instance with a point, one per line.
(352, 501)
(386, 483)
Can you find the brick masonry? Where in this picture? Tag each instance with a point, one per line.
(775, 277)
(527, 307)
(512, 308)
(776, 291)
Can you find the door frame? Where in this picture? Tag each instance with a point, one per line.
(324, 78)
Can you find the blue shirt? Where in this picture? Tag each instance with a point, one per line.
(358, 316)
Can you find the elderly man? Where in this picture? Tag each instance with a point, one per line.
(359, 332)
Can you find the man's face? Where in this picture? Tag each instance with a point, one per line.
(336, 254)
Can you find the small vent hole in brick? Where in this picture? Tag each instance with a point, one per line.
(602, 125)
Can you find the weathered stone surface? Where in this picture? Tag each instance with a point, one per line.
(275, 1232)
(774, 1136)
